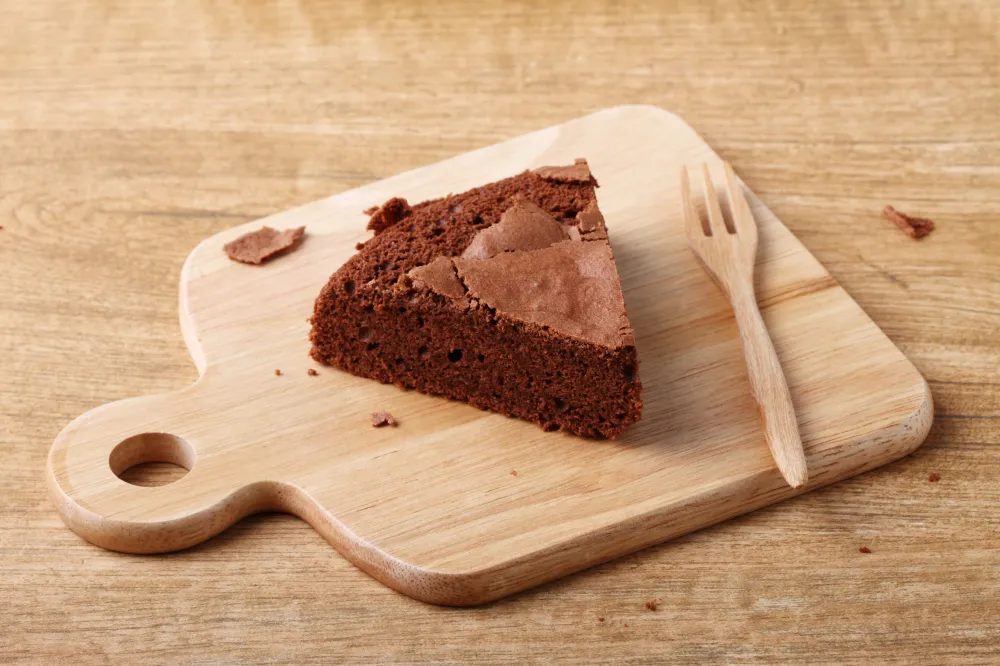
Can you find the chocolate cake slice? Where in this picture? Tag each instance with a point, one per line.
(505, 296)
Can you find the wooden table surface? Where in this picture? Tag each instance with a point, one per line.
(130, 131)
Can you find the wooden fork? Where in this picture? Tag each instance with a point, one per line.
(728, 257)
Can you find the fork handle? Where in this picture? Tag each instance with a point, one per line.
(769, 389)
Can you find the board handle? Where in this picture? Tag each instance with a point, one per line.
(88, 456)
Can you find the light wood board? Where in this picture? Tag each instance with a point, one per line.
(433, 508)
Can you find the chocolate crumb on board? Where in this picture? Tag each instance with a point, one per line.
(391, 212)
(311, 372)
(600, 619)
(864, 549)
(651, 605)
(382, 419)
(513, 472)
(915, 227)
(934, 477)
(258, 246)
(277, 372)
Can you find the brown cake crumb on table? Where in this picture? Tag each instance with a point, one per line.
(914, 227)
(383, 419)
(311, 372)
(277, 372)
(651, 605)
(505, 296)
(864, 549)
(266, 243)
(934, 477)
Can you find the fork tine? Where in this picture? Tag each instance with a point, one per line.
(716, 222)
(692, 224)
(742, 217)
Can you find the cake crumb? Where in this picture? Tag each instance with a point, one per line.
(600, 619)
(382, 419)
(513, 472)
(391, 212)
(277, 372)
(258, 246)
(651, 605)
(934, 477)
(626, 624)
(359, 246)
(311, 372)
(864, 549)
(914, 227)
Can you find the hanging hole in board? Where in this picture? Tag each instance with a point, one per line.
(152, 459)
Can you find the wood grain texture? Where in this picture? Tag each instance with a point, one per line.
(728, 253)
(459, 506)
(131, 131)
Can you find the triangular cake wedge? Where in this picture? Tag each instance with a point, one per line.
(506, 296)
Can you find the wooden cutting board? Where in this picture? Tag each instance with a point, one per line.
(458, 506)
